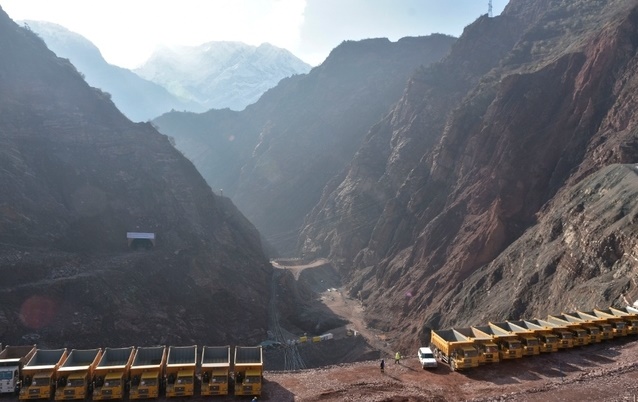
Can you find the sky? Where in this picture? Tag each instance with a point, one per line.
(128, 31)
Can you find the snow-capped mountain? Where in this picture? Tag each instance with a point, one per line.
(221, 74)
(137, 98)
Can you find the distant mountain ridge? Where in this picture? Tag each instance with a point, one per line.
(215, 75)
(137, 98)
(221, 74)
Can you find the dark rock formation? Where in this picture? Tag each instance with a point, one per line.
(76, 176)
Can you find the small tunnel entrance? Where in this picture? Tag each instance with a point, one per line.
(141, 244)
(140, 241)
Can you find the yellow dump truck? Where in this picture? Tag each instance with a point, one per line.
(509, 345)
(215, 370)
(487, 349)
(454, 348)
(529, 341)
(630, 318)
(12, 360)
(180, 371)
(39, 374)
(545, 334)
(76, 374)
(147, 372)
(594, 329)
(112, 373)
(581, 334)
(248, 370)
(606, 329)
(618, 325)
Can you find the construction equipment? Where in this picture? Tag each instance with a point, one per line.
(249, 365)
(509, 346)
(581, 333)
(529, 341)
(12, 360)
(630, 318)
(76, 374)
(112, 373)
(454, 348)
(548, 339)
(487, 349)
(215, 370)
(147, 372)
(39, 373)
(180, 370)
(597, 329)
(618, 324)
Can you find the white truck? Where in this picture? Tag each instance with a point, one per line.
(12, 359)
(426, 358)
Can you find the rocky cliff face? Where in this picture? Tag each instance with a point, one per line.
(76, 177)
(484, 153)
(275, 157)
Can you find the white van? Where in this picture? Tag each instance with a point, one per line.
(426, 358)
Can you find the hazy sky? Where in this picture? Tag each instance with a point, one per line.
(127, 31)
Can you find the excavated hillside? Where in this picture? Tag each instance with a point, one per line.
(76, 176)
(482, 155)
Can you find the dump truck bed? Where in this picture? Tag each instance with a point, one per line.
(114, 358)
(248, 355)
(80, 359)
(182, 355)
(44, 359)
(473, 334)
(150, 356)
(11, 355)
(216, 356)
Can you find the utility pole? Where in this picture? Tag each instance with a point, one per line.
(489, 8)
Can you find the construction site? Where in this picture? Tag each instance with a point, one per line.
(577, 356)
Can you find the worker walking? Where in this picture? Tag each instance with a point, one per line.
(382, 365)
(397, 358)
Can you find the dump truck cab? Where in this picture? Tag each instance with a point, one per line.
(529, 341)
(75, 375)
(12, 359)
(630, 318)
(215, 370)
(486, 347)
(548, 340)
(618, 325)
(562, 323)
(111, 375)
(509, 345)
(39, 374)
(603, 325)
(248, 372)
(147, 372)
(180, 371)
(454, 348)
(595, 331)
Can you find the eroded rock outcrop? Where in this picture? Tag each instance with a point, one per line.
(469, 159)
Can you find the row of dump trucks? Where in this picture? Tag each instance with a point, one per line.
(468, 347)
(142, 372)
